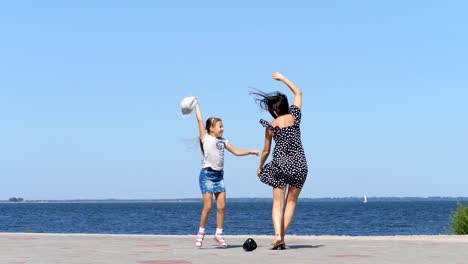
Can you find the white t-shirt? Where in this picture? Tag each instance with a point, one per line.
(213, 152)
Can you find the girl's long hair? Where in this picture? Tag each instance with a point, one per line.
(275, 103)
(209, 123)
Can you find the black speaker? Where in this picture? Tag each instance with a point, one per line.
(249, 245)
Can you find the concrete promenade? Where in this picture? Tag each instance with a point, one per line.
(31, 248)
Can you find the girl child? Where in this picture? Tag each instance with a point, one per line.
(287, 171)
(211, 180)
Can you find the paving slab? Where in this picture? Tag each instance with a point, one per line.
(32, 248)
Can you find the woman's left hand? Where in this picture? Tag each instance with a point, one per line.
(258, 172)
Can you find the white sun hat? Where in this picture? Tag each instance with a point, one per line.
(187, 105)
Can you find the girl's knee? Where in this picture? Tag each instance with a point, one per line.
(207, 207)
(221, 208)
(221, 205)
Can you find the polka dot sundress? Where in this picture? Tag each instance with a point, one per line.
(289, 165)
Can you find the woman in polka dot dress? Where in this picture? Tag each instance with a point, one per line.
(287, 171)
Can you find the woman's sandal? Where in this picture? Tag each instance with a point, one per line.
(278, 245)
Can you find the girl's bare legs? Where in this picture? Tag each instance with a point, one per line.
(277, 212)
(207, 205)
(221, 207)
(291, 202)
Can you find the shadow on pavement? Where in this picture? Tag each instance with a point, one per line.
(304, 246)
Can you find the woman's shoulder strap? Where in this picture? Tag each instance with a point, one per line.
(267, 125)
(296, 113)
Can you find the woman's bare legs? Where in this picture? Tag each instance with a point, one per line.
(290, 208)
(277, 212)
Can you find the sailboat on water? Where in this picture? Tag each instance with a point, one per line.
(365, 199)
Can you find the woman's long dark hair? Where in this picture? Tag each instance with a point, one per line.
(275, 103)
(209, 123)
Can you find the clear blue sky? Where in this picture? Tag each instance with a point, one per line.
(90, 94)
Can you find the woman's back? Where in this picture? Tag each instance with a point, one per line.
(287, 135)
(283, 121)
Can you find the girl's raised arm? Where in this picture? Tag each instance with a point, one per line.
(201, 126)
(296, 91)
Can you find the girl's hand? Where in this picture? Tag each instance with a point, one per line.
(258, 172)
(254, 152)
(278, 76)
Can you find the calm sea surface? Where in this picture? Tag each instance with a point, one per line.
(312, 218)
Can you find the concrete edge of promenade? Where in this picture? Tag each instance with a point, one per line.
(30, 248)
(442, 237)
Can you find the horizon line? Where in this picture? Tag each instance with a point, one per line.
(238, 198)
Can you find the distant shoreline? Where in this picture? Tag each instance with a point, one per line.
(199, 200)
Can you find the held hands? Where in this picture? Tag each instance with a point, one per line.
(278, 76)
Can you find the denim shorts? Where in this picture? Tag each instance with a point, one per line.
(211, 181)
